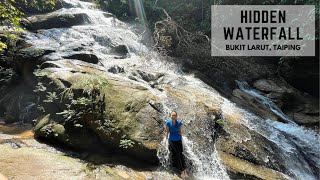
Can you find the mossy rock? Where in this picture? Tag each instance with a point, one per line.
(45, 120)
(127, 115)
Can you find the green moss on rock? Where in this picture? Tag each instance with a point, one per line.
(42, 123)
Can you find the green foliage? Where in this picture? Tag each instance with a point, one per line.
(3, 45)
(67, 94)
(51, 97)
(10, 17)
(90, 83)
(126, 143)
(81, 104)
(11, 12)
(40, 88)
(68, 114)
(90, 105)
(42, 5)
(107, 125)
(79, 107)
(220, 122)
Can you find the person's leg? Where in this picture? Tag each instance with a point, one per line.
(173, 154)
(183, 164)
(182, 161)
(180, 158)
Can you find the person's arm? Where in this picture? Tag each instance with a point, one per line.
(167, 131)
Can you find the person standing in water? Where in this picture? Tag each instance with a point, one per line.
(173, 129)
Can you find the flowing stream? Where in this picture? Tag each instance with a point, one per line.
(102, 32)
(263, 100)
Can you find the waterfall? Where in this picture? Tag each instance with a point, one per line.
(263, 100)
(297, 146)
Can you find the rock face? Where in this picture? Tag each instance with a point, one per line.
(252, 103)
(256, 150)
(130, 123)
(122, 51)
(90, 58)
(302, 72)
(301, 108)
(54, 20)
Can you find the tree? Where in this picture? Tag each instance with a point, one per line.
(10, 17)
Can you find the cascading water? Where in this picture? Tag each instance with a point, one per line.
(103, 32)
(299, 147)
(264, 100)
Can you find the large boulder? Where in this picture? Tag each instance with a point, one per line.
(130, 124)
(54, 20)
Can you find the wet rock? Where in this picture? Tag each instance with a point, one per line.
(54, 20)
(254, 148)
(253, 104)
(80, 48)
(116, 69)
(147, 76)
(107, 15)
(299, 107)
(144, 75)
(90, 58)
(122, 51)
(275, 90)
(157, 106)
(269, 85)
(44, 121)
(133, 78)
(32, 53)
(240, 169)
(13, 142)
(26, 60)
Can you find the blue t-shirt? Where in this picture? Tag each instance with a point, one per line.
(174, 130)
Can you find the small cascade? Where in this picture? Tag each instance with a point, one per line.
(263, 100)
